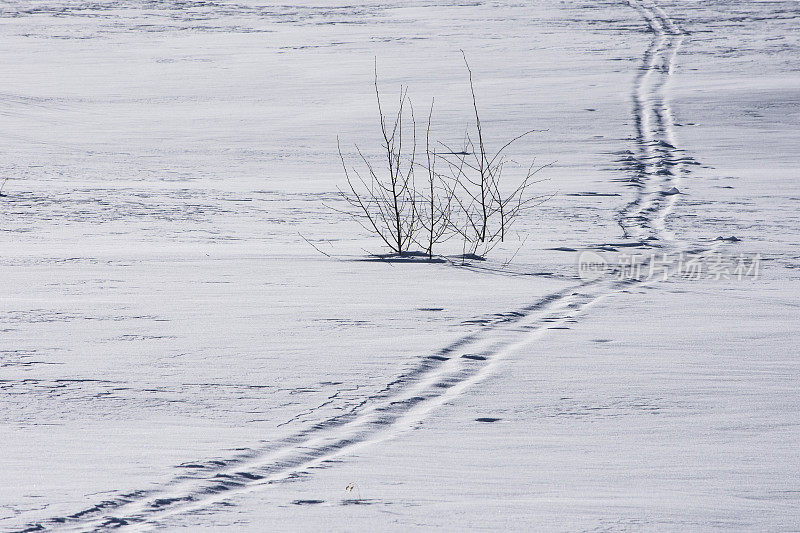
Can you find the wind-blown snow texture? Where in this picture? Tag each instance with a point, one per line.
(176, 355)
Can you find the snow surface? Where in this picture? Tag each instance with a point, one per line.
(176, 355)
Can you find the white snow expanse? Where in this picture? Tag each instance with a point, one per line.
(176, 355)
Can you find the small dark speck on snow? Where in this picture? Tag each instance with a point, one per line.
(307, 502)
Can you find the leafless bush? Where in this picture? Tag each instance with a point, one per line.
(434, 202)
(469, 200)
(486, 207)
(384, 202)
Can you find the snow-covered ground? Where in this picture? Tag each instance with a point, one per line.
(175, 354)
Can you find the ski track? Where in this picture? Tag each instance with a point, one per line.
(655, 167)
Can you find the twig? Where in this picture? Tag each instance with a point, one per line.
(312, 245)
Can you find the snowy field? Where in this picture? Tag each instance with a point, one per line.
(191, 339)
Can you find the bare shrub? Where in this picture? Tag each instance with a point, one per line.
(470, 200)
(384, 201)
(486, 207)
(434, 201)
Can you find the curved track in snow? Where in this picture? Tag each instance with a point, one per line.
(656, 166)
